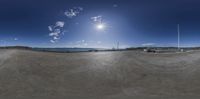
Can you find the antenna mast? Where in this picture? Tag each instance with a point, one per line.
(178, 30)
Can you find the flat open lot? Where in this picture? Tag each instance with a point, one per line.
(99, 75)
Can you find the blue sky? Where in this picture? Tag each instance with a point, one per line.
(74, 23)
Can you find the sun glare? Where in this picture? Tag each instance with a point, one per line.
(100, 26)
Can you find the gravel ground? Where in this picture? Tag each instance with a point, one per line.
(99, 75)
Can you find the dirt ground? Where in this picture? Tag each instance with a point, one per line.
(99, 75)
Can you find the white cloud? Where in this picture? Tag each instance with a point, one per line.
(83, 41)
(50, 28)
(115, 5)
(148, 44)
(53, 34)
(73, 12)
(56, 38)
(52, 41)
(97, 19)
(70, 13)
(56, 30)
(59, 24)
(15, 39)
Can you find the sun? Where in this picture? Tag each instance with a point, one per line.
(100, 26)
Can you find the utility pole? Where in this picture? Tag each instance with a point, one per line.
(178, 30)
(117, 45)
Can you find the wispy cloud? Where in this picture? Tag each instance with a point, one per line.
(56, 38)
(85, 44)
(97, 19)
(73, 12)
(50, 28)
(56, 31)
(59, 24)
(100, 23)
(115, 5)
(15, 39)
(148, 44)
(53, 34)
(52, 41)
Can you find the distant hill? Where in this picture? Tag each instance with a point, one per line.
(163, 48)
(15, 47)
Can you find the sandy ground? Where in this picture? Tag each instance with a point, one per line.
(99, 75)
